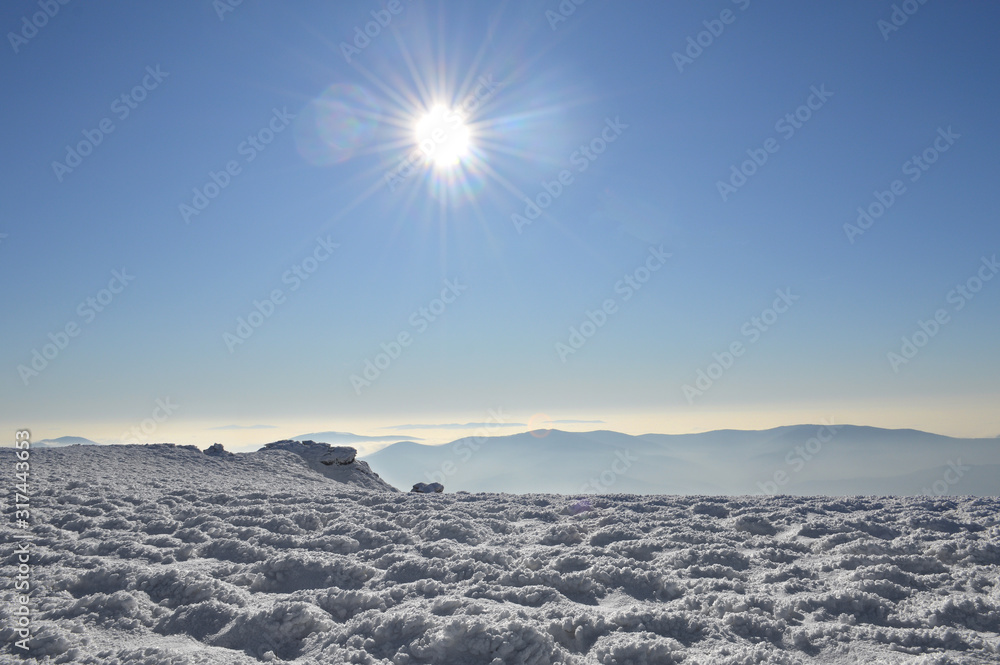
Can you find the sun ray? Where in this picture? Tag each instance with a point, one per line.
(499, 113)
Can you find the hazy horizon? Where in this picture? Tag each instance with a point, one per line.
(243, 439)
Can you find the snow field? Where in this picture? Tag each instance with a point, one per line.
(162, 554)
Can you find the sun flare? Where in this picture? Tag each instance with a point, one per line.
(443, 136)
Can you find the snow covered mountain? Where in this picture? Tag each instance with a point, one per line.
(799, 459)
(64, 441)
(163, 555)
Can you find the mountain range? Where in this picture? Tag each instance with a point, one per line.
(797, 459)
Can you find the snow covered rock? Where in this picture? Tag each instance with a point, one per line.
(335, 462)
(217, 450)
(312, 451)
(428, 488)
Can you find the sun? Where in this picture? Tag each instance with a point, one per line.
(443, 136)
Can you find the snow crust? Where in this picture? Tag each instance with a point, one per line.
(162, 554)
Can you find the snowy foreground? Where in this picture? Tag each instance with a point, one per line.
(167, 555)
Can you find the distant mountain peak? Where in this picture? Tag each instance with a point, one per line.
(348, 437)
(64, 441)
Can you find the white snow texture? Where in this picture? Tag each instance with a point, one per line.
(162, 554)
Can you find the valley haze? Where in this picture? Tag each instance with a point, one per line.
(817, 459)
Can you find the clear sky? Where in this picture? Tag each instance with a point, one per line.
(694, 170)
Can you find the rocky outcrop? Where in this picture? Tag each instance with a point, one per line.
(428, 488)
(338, 463)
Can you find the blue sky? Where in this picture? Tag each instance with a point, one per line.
(662, 133)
